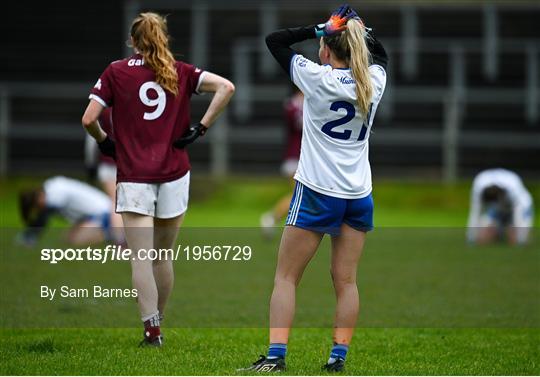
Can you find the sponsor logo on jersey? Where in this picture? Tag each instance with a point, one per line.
(135, 62)
(346, 80)
(302, 62)
(98, 84)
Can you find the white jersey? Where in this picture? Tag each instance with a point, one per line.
(334, 158)
(520, 199)
(75, 200)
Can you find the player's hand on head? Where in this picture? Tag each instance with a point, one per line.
(337, 22)
(353, 15)
(107, 147)
(194, 131)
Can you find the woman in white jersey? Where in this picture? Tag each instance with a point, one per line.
(333, 190)
(84, 206)
(501, 208)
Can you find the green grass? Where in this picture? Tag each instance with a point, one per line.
(221, 351)
(430, 304)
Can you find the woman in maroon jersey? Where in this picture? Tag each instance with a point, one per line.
(151, 92)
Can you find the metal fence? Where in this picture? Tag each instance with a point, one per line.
(448, 136)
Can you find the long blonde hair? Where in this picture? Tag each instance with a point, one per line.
(351, 47)
(151, 39)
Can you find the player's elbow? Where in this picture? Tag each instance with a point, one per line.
(87, 120)
(228, 88)
(270, 40)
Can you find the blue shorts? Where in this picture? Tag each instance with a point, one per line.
(499, 217)
(104, 221)
(325, 214)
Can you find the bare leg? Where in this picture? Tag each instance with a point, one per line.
(86, 233)
(296, 250)
(165, 233)
(346, 250)
(139, 235)
(487, 235)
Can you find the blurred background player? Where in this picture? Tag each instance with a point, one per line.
(333, 190)
(293, 120)
(84, 206)
(501, 208)
(150, 93)
(105, 171)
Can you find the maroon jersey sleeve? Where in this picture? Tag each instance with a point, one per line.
(194, 77)
(102, 90)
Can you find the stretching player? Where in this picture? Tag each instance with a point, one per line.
(293, 119)
(150, 93)
(333, 190)
(84, 206)
(501, 208)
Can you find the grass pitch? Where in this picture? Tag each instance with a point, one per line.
(431, 305)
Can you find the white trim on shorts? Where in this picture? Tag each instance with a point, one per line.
(295, 207)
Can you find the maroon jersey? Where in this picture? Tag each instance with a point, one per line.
(105, 121)
(147, 119)
(293, 120)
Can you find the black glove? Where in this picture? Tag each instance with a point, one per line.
(107, 147)
(194, 131)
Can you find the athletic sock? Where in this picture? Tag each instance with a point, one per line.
(276, 350)
(338, 351)
(151, 326)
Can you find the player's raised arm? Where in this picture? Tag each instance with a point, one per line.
(223, 91)
(279, 42)
(376, 49)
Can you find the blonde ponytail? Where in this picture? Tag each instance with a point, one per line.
(351, 47)
(150, 38)
(359, 63)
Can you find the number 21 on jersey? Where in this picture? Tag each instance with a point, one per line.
(159, 102)
(328, 128)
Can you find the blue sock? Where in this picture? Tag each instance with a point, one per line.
(339, 350)
(277, 350)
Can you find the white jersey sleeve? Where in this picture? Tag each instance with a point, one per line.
(306, 74)
(378, 80)
(474, 216)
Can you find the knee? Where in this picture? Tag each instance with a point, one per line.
(286, 279)
(342, 280)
